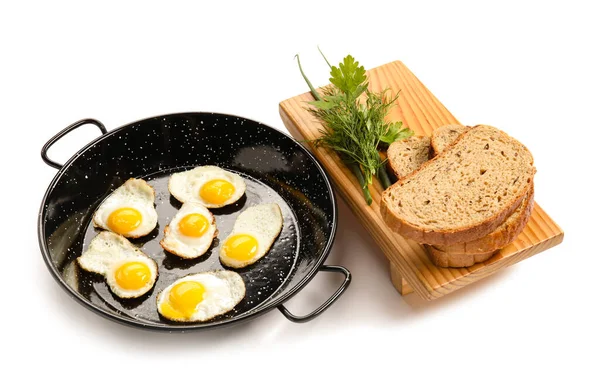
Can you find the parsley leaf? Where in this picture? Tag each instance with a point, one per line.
(395, 132)
(349, 77)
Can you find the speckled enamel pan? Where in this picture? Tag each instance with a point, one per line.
(276, 169)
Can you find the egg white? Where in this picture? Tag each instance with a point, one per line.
(264, 222)
(107, 252)
(224, 289)
(185, 246)
(185, 186)
(134, 193)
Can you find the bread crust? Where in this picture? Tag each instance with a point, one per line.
(444, 259)
(446, 237)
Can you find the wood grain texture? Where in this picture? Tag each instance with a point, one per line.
(398, 281)
(421, 111)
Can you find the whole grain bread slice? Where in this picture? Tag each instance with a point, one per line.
(406, 155)
(464, 193)
(504, 234)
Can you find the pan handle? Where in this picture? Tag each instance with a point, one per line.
(62, 133)
(326, 304)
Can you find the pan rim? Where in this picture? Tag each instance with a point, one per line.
(166, 327)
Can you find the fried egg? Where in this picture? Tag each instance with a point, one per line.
(191, 232)
(254, 231)
(202, 296)
(129, 273)
(128, 210)
(210, 185)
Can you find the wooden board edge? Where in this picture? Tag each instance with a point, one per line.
(401, 285)
(448, 288)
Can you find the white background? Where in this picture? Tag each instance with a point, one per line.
(530, 69)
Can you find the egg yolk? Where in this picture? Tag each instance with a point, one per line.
(242, 247)
(193, 225)
(133, 275)
(183, 300)
(124, 220)
(217, 191)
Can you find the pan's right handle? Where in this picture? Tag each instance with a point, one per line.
(62, 133)
(301, 319)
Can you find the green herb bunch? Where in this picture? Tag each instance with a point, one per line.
(354, 123)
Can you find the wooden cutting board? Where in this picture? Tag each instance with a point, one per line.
(410, 267)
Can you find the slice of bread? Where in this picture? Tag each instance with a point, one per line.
(464, 193)
(406, 155)
(507, 232)
(444, 136)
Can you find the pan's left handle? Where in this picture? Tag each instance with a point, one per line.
(326, 304)
(62, 133)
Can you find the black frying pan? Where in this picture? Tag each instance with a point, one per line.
(275, 167)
